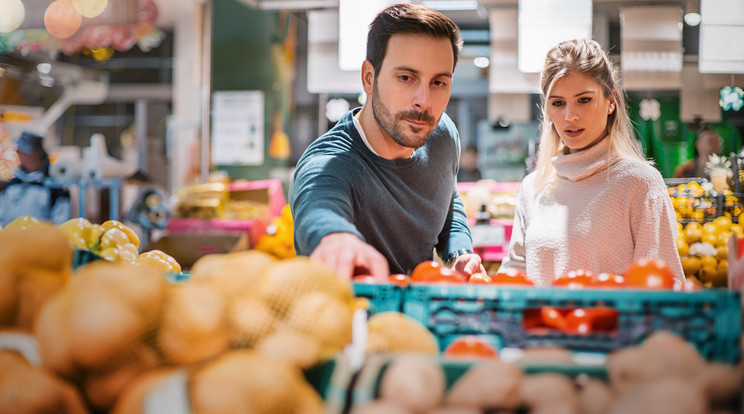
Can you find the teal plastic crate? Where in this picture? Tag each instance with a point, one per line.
(82, 257)
(382, 297)
(331, 380)
(710, 320)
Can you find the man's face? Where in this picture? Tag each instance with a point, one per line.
(413, 87)
(30, 162)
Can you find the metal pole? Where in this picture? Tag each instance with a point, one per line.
(140, 122)
(207, 9)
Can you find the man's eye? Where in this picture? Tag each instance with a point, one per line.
(440, 83)
(404, 78)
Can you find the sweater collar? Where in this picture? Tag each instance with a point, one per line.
(579, 165)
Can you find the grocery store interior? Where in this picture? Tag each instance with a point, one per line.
(174, 128)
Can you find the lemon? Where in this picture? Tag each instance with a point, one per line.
(680, 228)
(708, 261)
(737, 229)
(721, 277)
(722, 254)
(723, 238)
(694, 225)
(710, 228)
(682, 247)
(691, 265)
(712, 239)
(723, 223)
(693, 234)
(708, 273)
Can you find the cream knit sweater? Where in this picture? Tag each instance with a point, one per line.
(598, 214)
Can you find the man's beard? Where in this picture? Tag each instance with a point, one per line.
(393, 125)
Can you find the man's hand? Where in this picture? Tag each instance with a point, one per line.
(345, 252)
(469, 264)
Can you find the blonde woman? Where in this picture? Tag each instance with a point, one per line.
(593, 201)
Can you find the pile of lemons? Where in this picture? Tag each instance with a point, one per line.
(703, 249)
(692, 201)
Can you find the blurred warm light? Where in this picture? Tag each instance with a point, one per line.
(12, 14)
(61, 19)
(90, 8)
(102, 53)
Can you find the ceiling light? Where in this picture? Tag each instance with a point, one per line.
(693, 19)
(481, 62)
(44, 68)
(452, 5)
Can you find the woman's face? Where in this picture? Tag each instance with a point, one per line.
(579, 110)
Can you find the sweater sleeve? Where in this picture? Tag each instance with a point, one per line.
(321, 202)
(515, 260)
(653, 223)
(456, 233)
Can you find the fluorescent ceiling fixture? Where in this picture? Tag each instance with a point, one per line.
(452, 5)
(693, 19)
(44, 68)
(545, 23)
(353, 24)
(481, 62)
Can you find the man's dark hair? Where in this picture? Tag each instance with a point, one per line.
(409, 19)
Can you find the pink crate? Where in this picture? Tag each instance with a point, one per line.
(254, 228)
(498, 252)
(274, 193)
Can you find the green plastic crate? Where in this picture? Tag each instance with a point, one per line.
(382, 297)
(710, 320)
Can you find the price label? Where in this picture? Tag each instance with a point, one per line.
(485, 235)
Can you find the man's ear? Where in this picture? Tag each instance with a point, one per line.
(368, 77)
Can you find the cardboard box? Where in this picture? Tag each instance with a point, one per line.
(188, 248)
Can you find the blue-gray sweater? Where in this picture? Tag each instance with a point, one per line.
(404, 208)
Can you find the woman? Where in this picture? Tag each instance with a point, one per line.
(593, 201)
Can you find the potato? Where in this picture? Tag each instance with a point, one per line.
(34, 288)
(547, 354)
(595, 397)
(24, 389)
(250, 321)
(488, 384)
(413, 381)
(324, 318)
(664, 396)
(288, 345)
(381, 407)
(8, 296)
(131, 400)
(53, 337)
(678, 356)
(195, 324)
(542, 391)
(396, 332)
(721, 383)
(236, 274)
(455, 410)
(35, 246)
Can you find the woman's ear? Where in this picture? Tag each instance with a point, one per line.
(368, 77)
(613, 103)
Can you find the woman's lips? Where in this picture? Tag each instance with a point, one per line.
(573, 132)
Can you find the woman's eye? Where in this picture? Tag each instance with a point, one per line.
(585, 99)
(556, 103)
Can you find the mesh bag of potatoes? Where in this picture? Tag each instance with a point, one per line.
(35, 263)
(238, 381)
(114, 322)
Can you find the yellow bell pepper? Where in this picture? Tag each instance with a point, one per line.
(77, 231)
(127, 252)
(131, 235)
(159, 260)
(24, 221)
(113, 237)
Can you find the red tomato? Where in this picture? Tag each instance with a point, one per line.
(470, 346)
(607, 280)
(447, 275)
(398, 279)
(603, 319)
(575, 279)
(649, 274)
(578, 321)
(480, 278)
(553, 318)
(511, 277)
(691, 285)
(425, 271)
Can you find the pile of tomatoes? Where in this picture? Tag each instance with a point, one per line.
(642, 274)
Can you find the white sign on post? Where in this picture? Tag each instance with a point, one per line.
(238, 128)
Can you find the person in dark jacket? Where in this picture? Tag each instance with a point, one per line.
(27, 193)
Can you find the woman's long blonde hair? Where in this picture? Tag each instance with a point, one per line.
(588, 58)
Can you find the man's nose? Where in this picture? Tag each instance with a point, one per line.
(422, 98)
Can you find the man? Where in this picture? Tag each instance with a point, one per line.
(708, 142)
(26, 193)
(376, 194)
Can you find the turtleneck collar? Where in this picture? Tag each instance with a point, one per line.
(579, 165)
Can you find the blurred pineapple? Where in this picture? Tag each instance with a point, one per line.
(718, 168)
